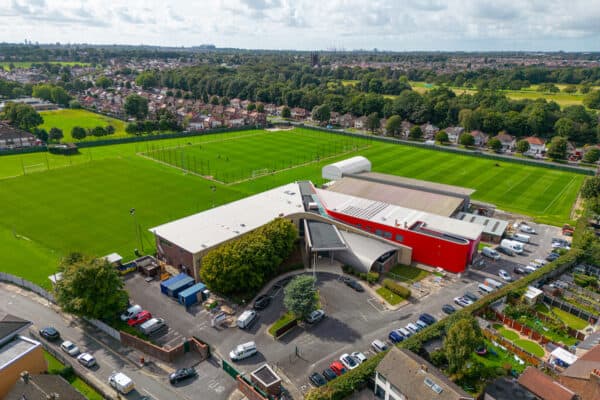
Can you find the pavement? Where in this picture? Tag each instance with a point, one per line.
(111, 356)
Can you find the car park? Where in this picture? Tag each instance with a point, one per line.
(315, 316)
(69, 347)
(471, 296)
(262, 302)
(329, 374)
(395, 337)
(338, 368)
(378, 346)
(427, 318)
(140, 318)
(131, 312)
(448, 309)
(505, 275)
(182, 374)
(86, 359)
(49, 333)
(360, 357)
(317, 379)
(348, 361)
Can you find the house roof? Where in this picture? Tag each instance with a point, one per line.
(416, 378)
(10, 132)
(534, 140)
(585, 365)
(543, 386)
(507, 389)
(40, 386)
(11, 325)
(504, 137)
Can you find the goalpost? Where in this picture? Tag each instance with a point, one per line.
(34, 168)
(260, 172)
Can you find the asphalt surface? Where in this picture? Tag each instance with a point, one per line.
(211, 382)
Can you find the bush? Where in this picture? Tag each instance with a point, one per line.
(397, 288)
(372, 277)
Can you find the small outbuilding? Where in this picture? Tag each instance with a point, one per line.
(354, 165)
(173, 286)
(192, 295)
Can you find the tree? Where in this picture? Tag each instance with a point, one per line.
(23, 116)
(74, 104)
(147, 79)
(415, 133)
(393, 125)
(78, 133)
(260, 108)
(98, 131)
(214, 100)
(495, 144)
(592, 155)
(557, 149)
(285, 112)
(592, 100)
(90, 288)
(321, 113)
(591, 188)
(103, 82)
(55, 134)
(300, 296)
(251, 107)
(466, 139)
(373, 122)
(522, 146)
(136, 106)
(565, 127)
(110, 130)
(442, 137)
(462, 339)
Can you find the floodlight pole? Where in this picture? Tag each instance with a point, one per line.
(136, 227)
(213, 188)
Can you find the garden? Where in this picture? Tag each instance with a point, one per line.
(56, 367)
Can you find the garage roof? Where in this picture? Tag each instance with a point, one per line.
(460, 191)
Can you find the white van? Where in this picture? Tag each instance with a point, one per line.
(121, 382)
(152, 325)
(485, 288)
(491, 253)
(493, 283)
(242, 351)
(513, 245)
(131, 312)
(521, 237)
(246, 319)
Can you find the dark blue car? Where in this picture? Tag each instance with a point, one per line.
(427, 318)
(396, 337)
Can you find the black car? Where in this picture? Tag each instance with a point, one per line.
(504, 250)
(49, 333)
(182, 374)
(329, 374)
(355, 285)
(262, 302)
(317, 379)
(427, 318)
(448, 309)
(471, 296)
(552, 256)
(519, 270)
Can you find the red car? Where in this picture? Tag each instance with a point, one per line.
(143, 316)
(338, 368)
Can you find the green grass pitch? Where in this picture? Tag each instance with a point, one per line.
(55, 204)
(66, 119)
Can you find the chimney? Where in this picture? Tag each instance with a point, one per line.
(25, 377)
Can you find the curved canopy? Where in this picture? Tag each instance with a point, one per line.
(352, 165)
(362, 251)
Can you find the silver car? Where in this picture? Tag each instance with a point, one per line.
(86, 359)
(69, 347)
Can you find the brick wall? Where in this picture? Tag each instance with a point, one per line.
(151, 349)
(248, 390)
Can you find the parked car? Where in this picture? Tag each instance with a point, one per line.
(317, 379)
(412, 327)
(262, 302)
(349, 361)
(527, 229)
(471, 296)
(131, 312)
(395, 337)
(329, 374)
(360, 357)
(140, 318)
(427, 318)
(505, 251)
(49, 333)
(422, 325)
(552, 256)
(153, 325)
(69, 347)
(182, 374)
(338, 368)
(460, 301)
(448, 309)
(315, 316)
(519, 270)
(355, 285)
(86, 359)
(505, 275)
(491, 253)
(378, 346)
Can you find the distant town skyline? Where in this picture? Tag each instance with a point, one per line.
(409, 25)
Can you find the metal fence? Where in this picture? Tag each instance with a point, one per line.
(24, 283)
(570, 308)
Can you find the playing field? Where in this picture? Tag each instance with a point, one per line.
(27, 64)
(66, 119)
(55, 204)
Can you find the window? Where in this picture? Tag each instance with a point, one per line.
(387, 235)
(359, 226)
(379, 232)
(399, 238)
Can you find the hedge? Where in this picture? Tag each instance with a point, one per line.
(397, 288)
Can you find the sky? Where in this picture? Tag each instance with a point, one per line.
(398, 25)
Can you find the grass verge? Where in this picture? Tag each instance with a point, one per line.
(407, 273)
(282, 321)
(55, 367)
(389, 296)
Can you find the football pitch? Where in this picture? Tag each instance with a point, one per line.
(67, 119)
(52, 205)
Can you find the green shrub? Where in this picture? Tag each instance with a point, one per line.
(397, 288)
(372, 277)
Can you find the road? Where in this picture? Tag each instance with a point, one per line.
(26, 305)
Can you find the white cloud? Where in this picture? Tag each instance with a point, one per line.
(311, 24)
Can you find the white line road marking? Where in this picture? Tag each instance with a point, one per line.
(150, 393)
(363, 316)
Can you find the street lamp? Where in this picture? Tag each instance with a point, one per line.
(213, 188)
(136, 228)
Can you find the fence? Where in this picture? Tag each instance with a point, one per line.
(571, 309)
(5, 277)
(513, 348)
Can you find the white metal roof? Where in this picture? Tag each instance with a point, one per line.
(211, 227)
(351, 165)
(396, 216)
(564, 355)
(113, 258)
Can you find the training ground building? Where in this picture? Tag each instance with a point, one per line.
(367, 220)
